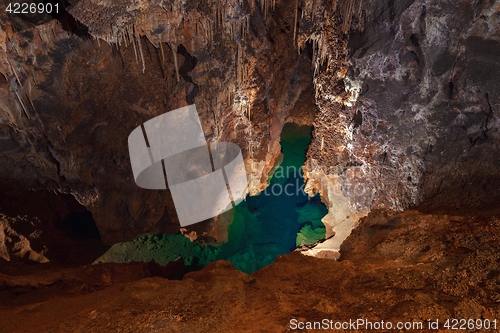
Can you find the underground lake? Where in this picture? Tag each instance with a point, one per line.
(275, 222)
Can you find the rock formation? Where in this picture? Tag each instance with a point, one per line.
(419, 127)
(404, 101)
(397, 267)
(405, 93)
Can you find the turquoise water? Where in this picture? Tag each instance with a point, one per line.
(273, 223)
(282, 217)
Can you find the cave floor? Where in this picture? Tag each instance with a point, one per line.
(404, 267)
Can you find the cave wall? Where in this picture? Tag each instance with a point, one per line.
(406, 97)
(419, 125)
(71, 96)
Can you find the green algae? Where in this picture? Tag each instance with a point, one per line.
(162, 248)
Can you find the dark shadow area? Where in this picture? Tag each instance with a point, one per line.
(51, 10)
(54, 224)
(79, 226)
(189, 64)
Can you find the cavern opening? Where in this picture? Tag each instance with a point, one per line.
(56, 228)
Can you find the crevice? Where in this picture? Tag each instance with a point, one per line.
(451, 87)
(189, 64)
(68, 22)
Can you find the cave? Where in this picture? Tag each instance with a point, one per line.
(249, 165)
(275, 222)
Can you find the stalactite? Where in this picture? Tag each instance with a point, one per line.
(241, 27)
(215, 16)
(141, 53)
(323, 50)
(22, 104)
(207, 33)
(295, 21)
(334, 5)
(135, 51)
(212, 31)
(314, 50)
(14, 71)
(241, 64)
(124, 36)
(31, 103)
(252, 6)
(130, 37)
(221, 16)
(33, 78)
(53, 34)
(162, 53)
(238, 64)
(313, 10)
(118, 40)
(347, 15)
(29, 95)
(175, 63)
